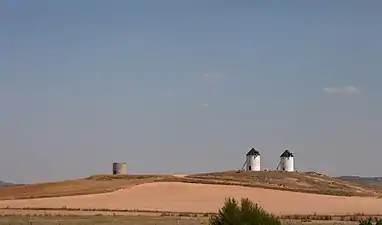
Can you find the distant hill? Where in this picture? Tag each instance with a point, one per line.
(4, 184)
(369, 181)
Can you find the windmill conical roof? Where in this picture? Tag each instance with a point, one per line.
(286, 153)
(253, 152)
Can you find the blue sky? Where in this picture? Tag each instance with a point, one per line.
(188, 86)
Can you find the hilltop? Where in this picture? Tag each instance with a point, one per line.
(308, 182)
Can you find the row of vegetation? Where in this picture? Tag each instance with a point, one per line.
(248, 213)
(235, 212)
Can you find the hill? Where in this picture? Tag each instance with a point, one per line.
(91, 185)
(188, 198)
(5, 184)
(309, 182)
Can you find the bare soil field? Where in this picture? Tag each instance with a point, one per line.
(204, 198)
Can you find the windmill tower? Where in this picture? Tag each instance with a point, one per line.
(286, 161)
(252, 162)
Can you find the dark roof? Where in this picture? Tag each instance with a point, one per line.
(253, 152)
(286, 153)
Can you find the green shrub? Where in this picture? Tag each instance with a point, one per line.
(246, 213)
(369, 221)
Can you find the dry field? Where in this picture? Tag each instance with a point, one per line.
(200, 193)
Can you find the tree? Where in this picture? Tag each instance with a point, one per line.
(246, 213)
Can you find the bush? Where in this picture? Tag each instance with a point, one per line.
(366, 222)
(246, 213)
(369, 221)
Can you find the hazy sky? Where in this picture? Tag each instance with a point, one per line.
(188, 86)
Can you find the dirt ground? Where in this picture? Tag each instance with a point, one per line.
(186, 197)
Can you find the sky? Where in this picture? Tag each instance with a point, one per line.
(188, 86)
